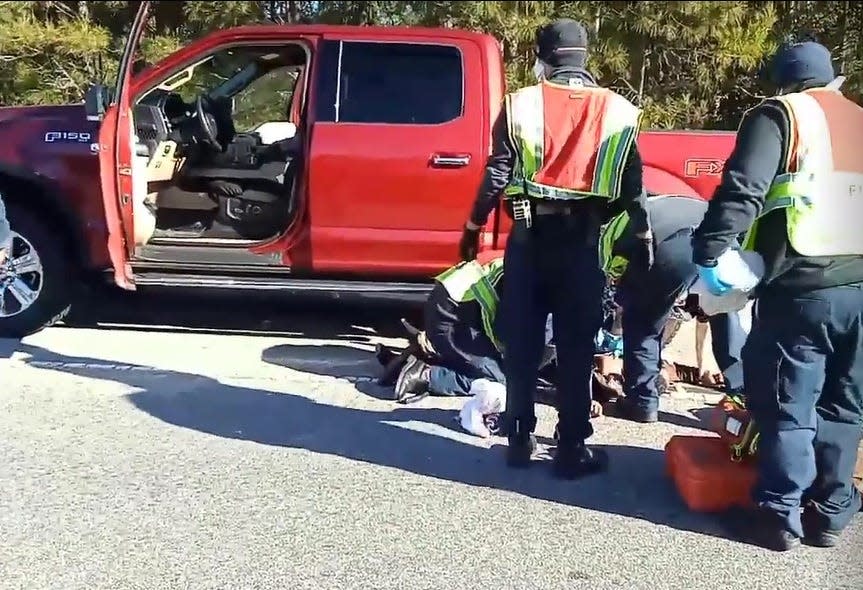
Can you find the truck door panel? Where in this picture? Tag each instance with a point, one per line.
(397, 154)
(117, 168)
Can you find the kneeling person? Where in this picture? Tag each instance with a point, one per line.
(647, 296)
(459, 333)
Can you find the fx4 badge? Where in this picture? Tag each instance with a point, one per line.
(703, 167)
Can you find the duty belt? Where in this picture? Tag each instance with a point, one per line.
(547, 208)
(523, 209)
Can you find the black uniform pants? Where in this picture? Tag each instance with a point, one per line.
(551, 267)
(803, 377)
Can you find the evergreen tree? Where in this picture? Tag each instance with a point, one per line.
(689, 64)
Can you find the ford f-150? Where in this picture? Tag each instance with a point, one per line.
(301, 158)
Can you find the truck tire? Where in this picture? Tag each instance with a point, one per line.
(43, 273)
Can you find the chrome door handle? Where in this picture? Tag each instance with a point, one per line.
(442, 161)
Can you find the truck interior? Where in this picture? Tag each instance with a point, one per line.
(218, 146)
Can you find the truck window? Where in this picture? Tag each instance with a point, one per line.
(265, 99)
(392, 83)
(260, 80)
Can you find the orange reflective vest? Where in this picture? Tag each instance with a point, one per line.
(820, 184)
(572, 142)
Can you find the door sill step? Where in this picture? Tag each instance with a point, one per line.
(370, 289)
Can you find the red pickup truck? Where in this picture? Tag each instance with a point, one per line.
(329, 159)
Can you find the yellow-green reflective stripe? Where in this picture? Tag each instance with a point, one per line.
(470, 281)
(617, 267)
(544, 191)
(790, 190)
(527, 131)
(485, 295)
(459, 279)
(526, 188)
(610, 234)
(620, 127)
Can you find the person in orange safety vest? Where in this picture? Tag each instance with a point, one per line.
(794, 186)
(565, 159)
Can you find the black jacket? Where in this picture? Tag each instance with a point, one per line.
(503, 159)
(670, 216)
(750, 170)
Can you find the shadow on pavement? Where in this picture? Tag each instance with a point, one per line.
(358, 365)
(410, 439)
(331, 360)
(251, 315)
(683, 421)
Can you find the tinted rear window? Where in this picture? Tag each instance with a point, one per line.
(394, 83)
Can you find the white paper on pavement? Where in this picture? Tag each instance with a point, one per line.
(488, 397)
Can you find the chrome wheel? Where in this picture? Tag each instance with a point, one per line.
(21, 277)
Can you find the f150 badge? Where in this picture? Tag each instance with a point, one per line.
(68, 136)
(703, 167)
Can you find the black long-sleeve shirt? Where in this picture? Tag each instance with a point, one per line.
(503, 160)
(749, 172)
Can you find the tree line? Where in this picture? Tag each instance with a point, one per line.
(689, 64)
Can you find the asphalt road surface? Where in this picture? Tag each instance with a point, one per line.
(236, 445)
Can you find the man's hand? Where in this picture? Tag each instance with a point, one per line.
(469, 244)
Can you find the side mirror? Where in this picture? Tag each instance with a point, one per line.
(96, 101)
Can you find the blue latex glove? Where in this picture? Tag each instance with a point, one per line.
(708, 274)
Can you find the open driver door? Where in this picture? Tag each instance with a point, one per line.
(117, 153)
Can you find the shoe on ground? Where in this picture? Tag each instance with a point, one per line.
(628, 409)
(814, 532)
(412, 380)
(761, 528)
(577, 461)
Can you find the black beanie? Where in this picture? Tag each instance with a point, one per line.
(802, 65)
(562, 42)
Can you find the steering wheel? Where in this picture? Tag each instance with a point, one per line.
(208, 123)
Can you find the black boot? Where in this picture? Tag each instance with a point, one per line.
(759, 527)
(816, 527)
(384, 354)
(521, 443)
(627, 409)
(574, 461)
(413, 381)
(816, 533)
(519, 450)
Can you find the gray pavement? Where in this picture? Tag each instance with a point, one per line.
(249, 454)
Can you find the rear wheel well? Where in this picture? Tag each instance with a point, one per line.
(43, 204)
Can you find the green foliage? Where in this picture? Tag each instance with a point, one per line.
(689, 64)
